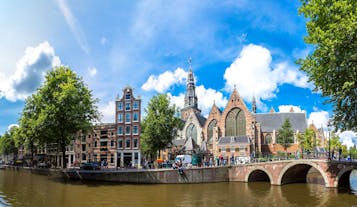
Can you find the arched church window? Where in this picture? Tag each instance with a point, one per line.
(191, 131)
(210, 129)
(267, 139)
(235, 123)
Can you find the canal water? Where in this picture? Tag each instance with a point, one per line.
(26, 189)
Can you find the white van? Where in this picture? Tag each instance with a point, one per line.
(184, 159)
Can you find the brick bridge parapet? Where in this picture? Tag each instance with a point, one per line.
(332, 173)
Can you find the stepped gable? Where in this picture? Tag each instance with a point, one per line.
(274, 121)
(215, 114)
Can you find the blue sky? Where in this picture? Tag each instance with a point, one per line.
(252, 45)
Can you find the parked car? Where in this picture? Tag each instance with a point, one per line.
(90, 166)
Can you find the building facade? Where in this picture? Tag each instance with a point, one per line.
(127, 123)
(114, 144)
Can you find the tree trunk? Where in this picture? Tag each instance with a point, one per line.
(63, 148)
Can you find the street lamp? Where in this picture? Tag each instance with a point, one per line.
(329, 139)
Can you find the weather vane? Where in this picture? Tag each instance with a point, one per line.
(190, 62)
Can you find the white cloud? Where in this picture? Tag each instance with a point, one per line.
(108, 112)
(73, 25)
(253, 74)
(30, 71)
(286, 108)
(348, 138)
(206, 98)
(165, 80)
(12, 125)
(92, 71)
(319, 118)
(177, 100)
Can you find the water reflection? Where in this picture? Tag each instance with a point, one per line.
(24, 189)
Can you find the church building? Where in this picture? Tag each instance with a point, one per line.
(235, 133)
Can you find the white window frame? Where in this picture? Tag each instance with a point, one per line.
(127, 130)
(120, 120)
(120, 106)
(127, 115)
(137, 114)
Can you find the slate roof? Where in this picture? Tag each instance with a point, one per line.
(201, 119)
(273, 121)
(233, 140)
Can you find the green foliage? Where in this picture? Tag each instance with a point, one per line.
(29, 129)
(7, 142)
(62, 106)
(353, 152)
(335, 142)
(160, 125)
(286, 134)
(307, 140)
(332, 30)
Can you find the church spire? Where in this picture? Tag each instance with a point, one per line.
(254, 105)
(190, 96)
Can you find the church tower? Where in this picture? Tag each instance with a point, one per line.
(190, 96)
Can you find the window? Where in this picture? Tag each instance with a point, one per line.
(135, 116)
(112, 143)
(83, 147)
(120, 130)
(135, 129)
(210, 130)
(191, 131)
(120, 106)
(235, 123)
(120, 118)
(120, 143)
(127, 143)
(127, 129)
(95, 144)
(111, 158)
(127, 95)
(84, 157)
(127, 118)
(127, 106)
(136, 105)
(135, 142)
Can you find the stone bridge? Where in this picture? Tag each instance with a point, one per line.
(329, 173)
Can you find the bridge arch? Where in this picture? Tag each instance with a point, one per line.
(343, 177)
(296, 172)
(258, 174)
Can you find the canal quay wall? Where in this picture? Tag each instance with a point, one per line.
(55, 173)
(154, 176)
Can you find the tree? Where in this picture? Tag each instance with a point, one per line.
(332, 66)
(286, 134)
(334, 144)
(29, 131)
(64, 105)
(7, 142)
(160, 125)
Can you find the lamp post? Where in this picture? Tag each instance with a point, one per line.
(329, 139)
